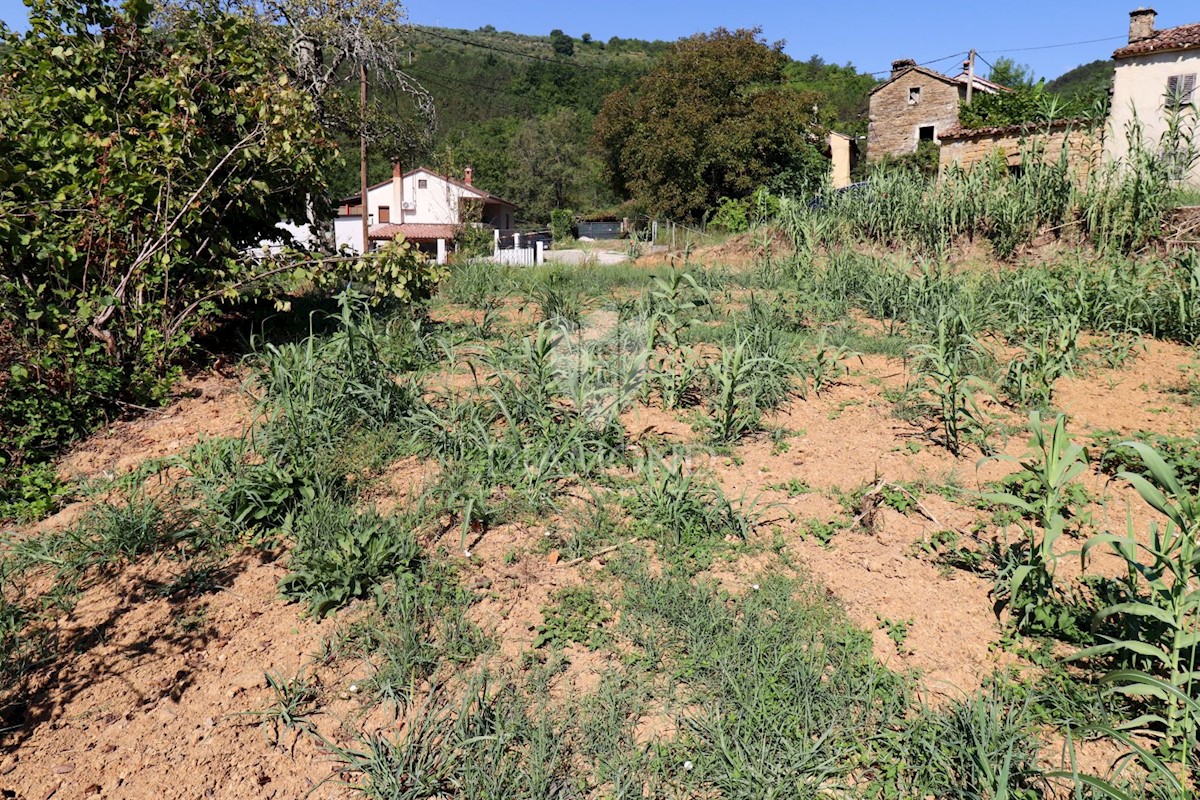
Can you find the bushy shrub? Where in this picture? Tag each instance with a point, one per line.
(340, 554)
(124, 215)
(561, 220)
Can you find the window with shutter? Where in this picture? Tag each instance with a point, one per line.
(1181, 90)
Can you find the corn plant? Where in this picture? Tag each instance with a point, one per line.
(678, 376)
(943, 369)
(1049, 355)
(828, 363)
(742, 384)
(1053, 463)
(1161, 613)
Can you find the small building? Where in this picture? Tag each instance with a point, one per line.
(1155, 79)
(426, 208)
(915, 105)
(843, 154)
(966, 147)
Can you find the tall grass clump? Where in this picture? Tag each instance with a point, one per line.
(1118, 208)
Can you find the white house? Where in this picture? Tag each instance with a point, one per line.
(424, 207)
(1155, 78)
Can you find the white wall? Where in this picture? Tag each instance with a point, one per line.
(436, 204)
(1139, 90)
(347, 232)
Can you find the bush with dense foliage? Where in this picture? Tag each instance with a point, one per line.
(137, 165)
(713, 119)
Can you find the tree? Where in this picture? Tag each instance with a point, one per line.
(713, 119)
(1008, 72)
(563, 45)
(137, 165)
(551, 165)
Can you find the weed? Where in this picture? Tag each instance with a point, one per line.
(295, 701)
(682, 510)
(576, 617)
(897, 631)
(340, 554)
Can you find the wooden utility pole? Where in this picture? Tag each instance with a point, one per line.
(362, 154)
(970, 75)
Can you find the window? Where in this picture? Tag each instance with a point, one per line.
(925, 133)
(422, 183)
(1181, 90)
(914, 95)
(385, 214)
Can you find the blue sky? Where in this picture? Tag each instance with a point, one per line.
(869, 34)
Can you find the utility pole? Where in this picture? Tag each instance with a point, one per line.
(362, 153)
(970, 75)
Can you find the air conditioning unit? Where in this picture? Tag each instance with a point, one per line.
(408, 205)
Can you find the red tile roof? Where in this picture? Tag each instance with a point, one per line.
(413, 232)
(1183, 37)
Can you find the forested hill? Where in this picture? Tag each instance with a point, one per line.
(1086, 81)
(519, 109)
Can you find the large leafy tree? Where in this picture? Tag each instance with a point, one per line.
(137, 165)
(553, 168)
(713, 119)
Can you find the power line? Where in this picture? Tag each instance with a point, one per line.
(922, 64)
(1051, 46)
(543, 59)
(436, 78)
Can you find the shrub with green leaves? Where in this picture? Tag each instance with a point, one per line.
(340, 554)
(125, 214)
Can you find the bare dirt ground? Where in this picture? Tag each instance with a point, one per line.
(151, 693)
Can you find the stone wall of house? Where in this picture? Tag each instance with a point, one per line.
(894, 121)
(968, 148)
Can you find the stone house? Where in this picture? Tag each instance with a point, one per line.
(1156, 79)
(915, 105)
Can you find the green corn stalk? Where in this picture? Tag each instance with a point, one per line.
(1055, 462)
(1162, 614)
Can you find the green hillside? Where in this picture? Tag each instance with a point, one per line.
(1086, 82)
(519, 110)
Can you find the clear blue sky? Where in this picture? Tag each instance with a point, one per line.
(869, 34)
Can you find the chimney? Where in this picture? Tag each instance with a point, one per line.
(468, 176)
(397, 212)
(901, 64)
(1141, 24)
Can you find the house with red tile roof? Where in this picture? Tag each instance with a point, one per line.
(1155, 82)
(426, 208)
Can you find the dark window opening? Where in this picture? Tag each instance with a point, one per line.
(914, 95)
(925, 133)
(422, 183)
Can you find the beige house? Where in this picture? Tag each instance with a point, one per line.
(1156, 78)
(915, 105)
